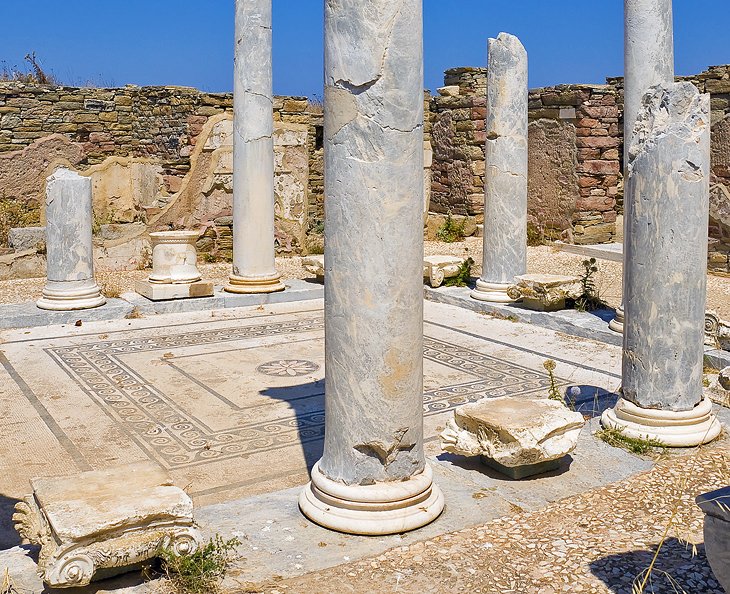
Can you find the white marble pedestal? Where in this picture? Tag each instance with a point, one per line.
(175, 273)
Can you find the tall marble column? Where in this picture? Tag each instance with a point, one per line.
(505, 189)
(254, 265)
(69, 247)
(666, 282)
(373, 477)
(648, 61)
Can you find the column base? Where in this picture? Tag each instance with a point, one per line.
(617, 324)
(372, 510)
(681, 429)
(71, 299)
(492, 292)
(254, 284)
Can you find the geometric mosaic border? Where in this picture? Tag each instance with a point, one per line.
(174, 438)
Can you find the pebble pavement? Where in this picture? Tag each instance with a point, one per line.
(597, 542)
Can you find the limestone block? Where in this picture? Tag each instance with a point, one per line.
(449, 91)
(716, 506)
(545, 292)
(166, 292)
(315, 265)
(513, 432)
(27, 238)
(107, 520)
(438, 268)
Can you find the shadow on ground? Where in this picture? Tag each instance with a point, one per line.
(8, 536)
(678, 568)
(590, 401)
(307, 402)
(474, 464)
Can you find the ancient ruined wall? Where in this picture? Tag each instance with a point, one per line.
(574, 158)
(716, 81)
(135, 142)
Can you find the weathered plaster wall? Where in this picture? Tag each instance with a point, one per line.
(140, 146)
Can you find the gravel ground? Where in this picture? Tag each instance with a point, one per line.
(545, 259)
(596, 542)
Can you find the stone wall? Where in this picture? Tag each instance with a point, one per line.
(135, 142)
(142, 148)
(574, 156)
(576, 152)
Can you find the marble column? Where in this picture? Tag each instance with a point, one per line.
(505, 188)
(666, 281)
(648, 61)
(69, 247)
(373, 477)
(254, 265)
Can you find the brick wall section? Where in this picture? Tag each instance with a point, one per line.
(459, 143)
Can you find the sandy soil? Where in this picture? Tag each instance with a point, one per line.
(545, 259)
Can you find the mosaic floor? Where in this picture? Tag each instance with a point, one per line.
(232, 407)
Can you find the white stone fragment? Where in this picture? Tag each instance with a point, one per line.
(174, 257)
(104, 520)
(545, 292)
(449, 91)
(314, 265)
(513, 431)
(438, 268)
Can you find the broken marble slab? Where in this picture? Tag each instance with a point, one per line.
(716, 506)
(545, 292)
(438, 268)
(109, 520)
(315, 265)
(517, 437)
(435, 268)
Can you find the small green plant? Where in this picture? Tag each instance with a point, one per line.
(590, 299)
(451, 230)
(463, 276)
(635, 445)
(201, 572)
(553, 390)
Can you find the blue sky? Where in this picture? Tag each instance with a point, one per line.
(189, 42)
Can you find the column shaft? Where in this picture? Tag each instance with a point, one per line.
(373, 478)
(69, 244)
(505, 191)
(254, 266)
(666, 282)
(648, 61)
